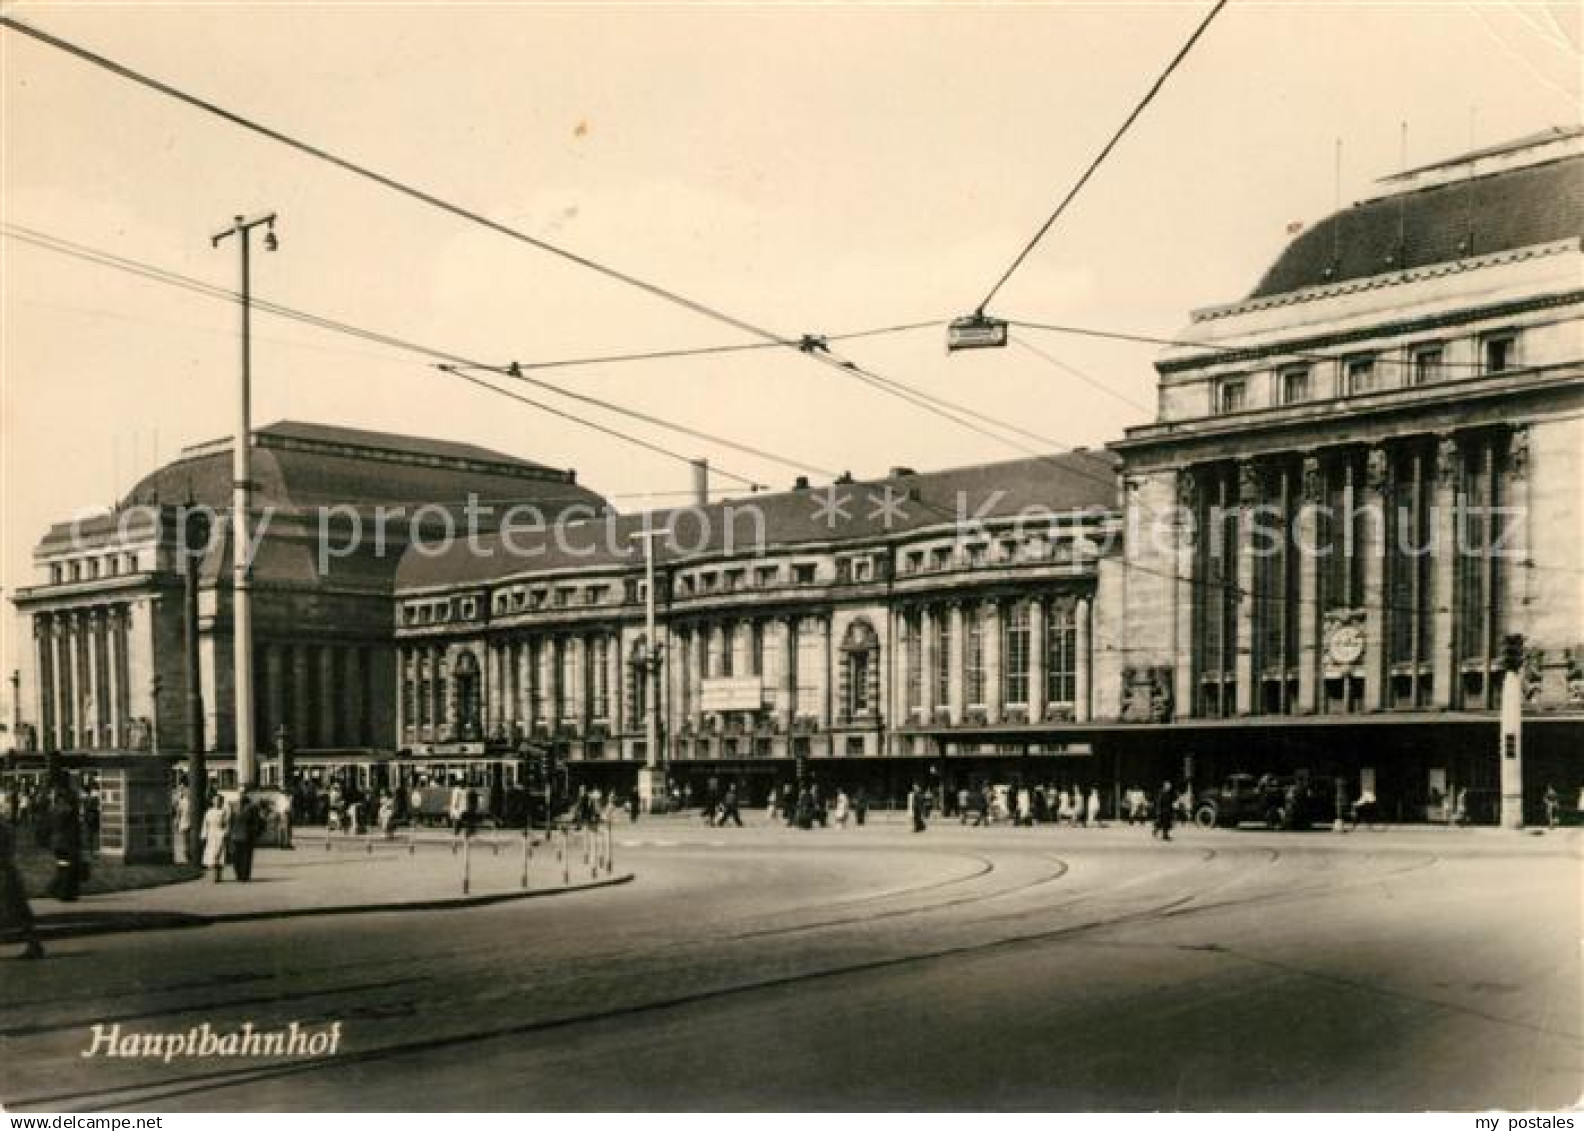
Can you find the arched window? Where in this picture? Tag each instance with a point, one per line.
(860, 690)
(465, 674)
(638, 682)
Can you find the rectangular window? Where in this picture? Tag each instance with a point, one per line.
(1359, 375)
(765, 576)
(973, 660)
(599, 669)
(728, 650)
(1015, 655)
(1294, 385)
(1500, 351)
(756, 649)
(1061, 653)
(913, 650)
(1232, 396)
(803, 574)
(1428, 363)
(943, 646)
(940, 557)
(566, 679)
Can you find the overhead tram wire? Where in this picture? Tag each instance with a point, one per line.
(172, 278)
(1080, 374)
(770, 338)
(1149, 96)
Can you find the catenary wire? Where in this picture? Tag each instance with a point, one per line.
(162, 275)
(1149, 96)
(769, 337)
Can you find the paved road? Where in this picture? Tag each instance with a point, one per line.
(972, 969)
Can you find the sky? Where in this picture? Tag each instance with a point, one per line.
(806, 168)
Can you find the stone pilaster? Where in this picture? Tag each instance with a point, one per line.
(1375, 530)
(1309, 587)
(1039, 648)
(1083, 662)
(1443, 574)
(1243, 582)
(993, 666)
(958, 676)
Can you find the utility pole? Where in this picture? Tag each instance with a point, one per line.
(194, 533)
(651, 779)
(242, 505)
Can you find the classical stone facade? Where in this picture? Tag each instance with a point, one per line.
(107, 667)
(865, 624)
(1366, 475)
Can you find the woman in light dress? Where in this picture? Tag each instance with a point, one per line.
(1094, 806)
(842, 809)
(216, 823)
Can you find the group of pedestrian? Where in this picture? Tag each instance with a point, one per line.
(56, 809)
(230, 834)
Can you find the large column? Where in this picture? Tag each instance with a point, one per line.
(1373, 536)
(1443, 574)
(93, 653)
(305, 724)
(926, 628)
(992, 660)
(786, 692)
(330, 704)
(827, 663)
(1038, 647)
(1248, 496)
(1309, 588)
(274, 703)
(1184, 647)
(353, 729)
(958, 662)
(1083, 661)
(580, 682)
(115, 647)
(44, 648)
(1518, 576)
(65, 685)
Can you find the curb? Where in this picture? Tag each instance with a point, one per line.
(115, 923)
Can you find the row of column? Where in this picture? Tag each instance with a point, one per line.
(991, 703)
(319, 693)
(1439, 604)
(83, 685)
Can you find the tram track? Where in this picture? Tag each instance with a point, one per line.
(186, 1084)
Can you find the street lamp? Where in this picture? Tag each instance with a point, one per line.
(242, 503)
(650, 778)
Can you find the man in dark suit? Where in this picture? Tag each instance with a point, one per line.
(243, 835)
(1165, 811)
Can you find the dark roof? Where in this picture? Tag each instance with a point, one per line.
(391, 441)
(308, 465)
(1076, 481)
(1513, 208)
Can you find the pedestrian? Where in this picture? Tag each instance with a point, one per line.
(916, 807)
(770, 806)
(1025, 807)
(1460, 807)
(860, 807)
(1080, 810)
(633, 807)
(1552, 806)
(841, 808)
(387, 815)
(216, 824)
(1094, 807)
(242, 835)
(728, 808)
(456, 810)
(1064, 808)
(16, 917)
(1165, 811)
(65, 825)
(184, 824)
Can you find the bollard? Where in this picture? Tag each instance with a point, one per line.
(610, 852)
(467, 863)
(588, 835)
(327, 838)
(369, 844)
(412, 840)
(566, 860)
(527, 853)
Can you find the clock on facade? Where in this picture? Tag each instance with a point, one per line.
(1345, 645)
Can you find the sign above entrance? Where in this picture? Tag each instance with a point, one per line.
(732, 693)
